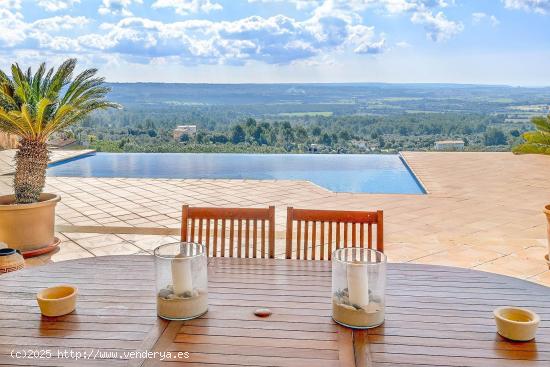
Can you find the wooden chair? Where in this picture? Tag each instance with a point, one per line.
(331, 227)
(218, 224)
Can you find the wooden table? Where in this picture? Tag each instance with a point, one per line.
(435, 316)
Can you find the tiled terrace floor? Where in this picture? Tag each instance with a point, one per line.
(483, 211)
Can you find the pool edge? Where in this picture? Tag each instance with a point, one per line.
(414, 174)
(85, 153)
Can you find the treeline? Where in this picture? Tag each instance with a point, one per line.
(219, 130)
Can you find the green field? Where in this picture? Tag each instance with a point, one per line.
(303, 114)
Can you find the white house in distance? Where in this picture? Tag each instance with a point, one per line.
(190, 130)
(449, 145)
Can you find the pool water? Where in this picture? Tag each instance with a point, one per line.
(370, 173)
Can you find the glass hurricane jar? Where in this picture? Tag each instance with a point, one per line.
(181, 280)
(358, 287)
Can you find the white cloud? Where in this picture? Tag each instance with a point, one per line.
(438, 27)
(362, 38)
(184, 7)
(299, 4)
(275, 40)
(14, 31)
(10, 4)
(536, 6)
(12, 28)
(117, 7)
(403, 44)
(480, 17)
(56, 5)
(425, 12)
(58, 23)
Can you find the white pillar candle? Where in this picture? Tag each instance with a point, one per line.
(182, 276)
(358, 284)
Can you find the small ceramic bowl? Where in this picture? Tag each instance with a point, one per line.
(518, 324)
(57, 301)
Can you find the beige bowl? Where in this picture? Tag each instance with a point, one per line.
(518, 324)
(57, 301)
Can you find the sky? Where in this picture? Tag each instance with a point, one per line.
(284, 41)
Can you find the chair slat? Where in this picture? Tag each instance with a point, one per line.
(239, 238)
(330, 240)
(337, 224)
(271, 232)
(254, 238)
(247, 242)
(184, 228)
(298, 238)
(231, 238)
(380, 231)
(215, 239)
(192, 239)
(362, 235)
(370, 235)
(313, 235)
(325, 241)
(263, 239)
(322, 257)
(345, 235)
(200, 231)
(223, 239)
(207, 239)
(306, 230)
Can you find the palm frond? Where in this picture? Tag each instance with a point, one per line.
(35, 106)
(541, 123)
(536, 142)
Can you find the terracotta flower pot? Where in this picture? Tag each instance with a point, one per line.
(547, 212)
(28, 228)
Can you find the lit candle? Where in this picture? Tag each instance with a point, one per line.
(358, 284)
(182, 276)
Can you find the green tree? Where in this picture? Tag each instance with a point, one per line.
(537, 141)
(494, 136)
(326, 139)
(237, 134)
(34, 106)
(301, 134)
(219, 139)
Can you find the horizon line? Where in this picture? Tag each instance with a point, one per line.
(343, 83)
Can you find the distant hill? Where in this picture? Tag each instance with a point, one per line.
(231, 94)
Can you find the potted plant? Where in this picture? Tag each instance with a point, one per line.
(538, 141)
(33, 107)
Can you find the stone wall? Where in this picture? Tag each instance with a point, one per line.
(8, 141)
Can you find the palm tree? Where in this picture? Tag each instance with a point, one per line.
(35, 106)
(536, 141)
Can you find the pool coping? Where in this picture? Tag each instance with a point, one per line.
(84, 154)
(414, 174)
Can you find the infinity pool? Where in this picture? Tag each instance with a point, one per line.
(340, 173)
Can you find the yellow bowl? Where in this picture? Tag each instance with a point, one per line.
(57, 301)
(518, 324)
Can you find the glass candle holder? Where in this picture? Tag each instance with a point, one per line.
(181, 280)
(358, 287)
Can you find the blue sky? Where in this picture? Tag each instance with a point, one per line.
(230, 41)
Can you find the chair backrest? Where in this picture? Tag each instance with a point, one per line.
(236, 227)
(331, 228)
